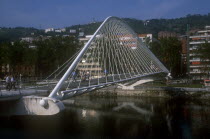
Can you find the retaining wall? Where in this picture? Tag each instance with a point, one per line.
(165, 92)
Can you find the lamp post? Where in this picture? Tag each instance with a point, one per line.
(20, 81)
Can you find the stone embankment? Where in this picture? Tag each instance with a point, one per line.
(164, 92)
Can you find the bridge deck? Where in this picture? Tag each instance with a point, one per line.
(6, 95)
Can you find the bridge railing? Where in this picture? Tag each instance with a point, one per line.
(24, 85)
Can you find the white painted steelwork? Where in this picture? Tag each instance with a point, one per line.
(114, 54)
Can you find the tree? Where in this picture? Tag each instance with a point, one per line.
(53, 52)
(46, 56)
(4, 53)
(168, 50)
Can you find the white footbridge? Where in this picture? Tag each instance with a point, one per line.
(113, 55)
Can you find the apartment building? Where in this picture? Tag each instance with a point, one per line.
(199, 68)
(87, 64)
(49, 30)
(28, 39)
(145, 37)
(25, 70)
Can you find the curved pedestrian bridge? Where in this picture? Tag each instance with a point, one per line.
(113, 55)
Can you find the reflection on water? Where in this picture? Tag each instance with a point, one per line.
(90, 117)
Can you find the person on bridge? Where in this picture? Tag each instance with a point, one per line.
(106, 73)
(77, 73)
(8, 82)
(13, 83)
(73, 76)
(88, 75)
(83, 76)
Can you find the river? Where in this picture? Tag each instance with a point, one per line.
(105, 117)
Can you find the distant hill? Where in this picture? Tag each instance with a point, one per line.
(12, 34)
(178, 25)
(88, 29)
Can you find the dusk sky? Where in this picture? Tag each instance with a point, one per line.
(62, 13)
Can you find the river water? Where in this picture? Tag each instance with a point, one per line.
(106, 117)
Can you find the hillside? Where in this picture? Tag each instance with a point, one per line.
(12, 34)
(178, 25)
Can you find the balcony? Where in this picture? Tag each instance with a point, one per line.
(198, 42)
(195, 72)
(195, 60)
(199, 66)
(200, 36)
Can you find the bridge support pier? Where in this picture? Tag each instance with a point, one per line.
(30, 105)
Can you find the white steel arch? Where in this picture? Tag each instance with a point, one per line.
(113, 54)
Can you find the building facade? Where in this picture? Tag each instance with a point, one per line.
(28, 39)
(88, 65)
(49, 30)
(146, 38)
(24, 70)
(184, 43)
(166, 34)
(199, 68)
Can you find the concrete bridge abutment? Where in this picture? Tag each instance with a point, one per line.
(30, 105)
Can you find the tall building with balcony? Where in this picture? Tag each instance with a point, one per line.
(91, 63)
(88, 63)
(197, 66)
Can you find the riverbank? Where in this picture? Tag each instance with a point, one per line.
(163, 92)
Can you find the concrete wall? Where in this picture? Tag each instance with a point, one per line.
(165, 92)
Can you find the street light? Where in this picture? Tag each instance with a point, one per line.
(20, 81)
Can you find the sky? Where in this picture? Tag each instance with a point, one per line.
(63, 13)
